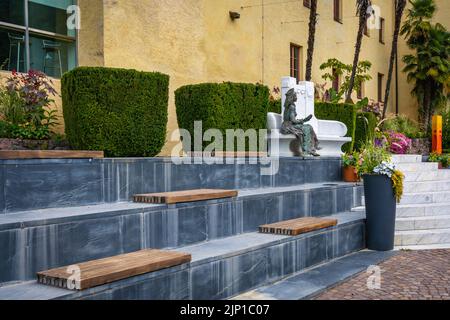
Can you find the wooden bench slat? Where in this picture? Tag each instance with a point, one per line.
(184, 196)
(102, 271)
(298, 226)
(49, 154)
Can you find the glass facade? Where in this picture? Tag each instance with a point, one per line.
(52, 46)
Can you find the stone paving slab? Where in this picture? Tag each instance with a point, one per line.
(409, 275)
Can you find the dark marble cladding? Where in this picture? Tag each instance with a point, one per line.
(27, 251)
(40, 247)
(227, 277)
(40, 184)
(224, 276)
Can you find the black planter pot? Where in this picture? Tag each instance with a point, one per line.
(381, 210)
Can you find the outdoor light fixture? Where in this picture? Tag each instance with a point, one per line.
(235, 15)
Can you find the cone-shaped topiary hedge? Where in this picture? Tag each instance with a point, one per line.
(122, 112)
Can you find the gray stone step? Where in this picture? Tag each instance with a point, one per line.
(56, 237)
(426, 197)
(418, 210)
(423, 223)
(407, 158)
(427, 186)
(221, 268)
(422, 237)
(312, 282)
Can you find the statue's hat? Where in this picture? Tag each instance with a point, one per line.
(291, 92)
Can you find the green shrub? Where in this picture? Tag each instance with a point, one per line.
(122, 112)
(5, 129)
(402, 124)
(446, 129)
(222, 106)
(365, 126)
(275, 106)
(345, 113)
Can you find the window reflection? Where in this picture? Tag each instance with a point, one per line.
(52, 46)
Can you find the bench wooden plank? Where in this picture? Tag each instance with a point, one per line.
(298, 226)
(99, 272)
(49, 154)
(184, 196)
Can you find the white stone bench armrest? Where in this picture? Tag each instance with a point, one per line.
(274, 121)
(332, 128)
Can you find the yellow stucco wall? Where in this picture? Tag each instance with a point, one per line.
(195, 40)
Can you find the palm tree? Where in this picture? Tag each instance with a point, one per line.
(362, 7)
(399, 9)
(311, 38)
(428, 68)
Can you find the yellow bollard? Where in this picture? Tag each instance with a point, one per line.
(437, 135)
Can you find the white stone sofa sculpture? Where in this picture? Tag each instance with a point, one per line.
(331, 134)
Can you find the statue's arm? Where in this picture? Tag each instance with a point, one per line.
(307, 119)
(293, 117)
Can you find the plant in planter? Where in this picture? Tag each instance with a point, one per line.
(350, 161)
(442, 159)
(24, 105)
(383, 187)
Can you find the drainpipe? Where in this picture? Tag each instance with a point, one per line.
(397, 111)
(27, 37)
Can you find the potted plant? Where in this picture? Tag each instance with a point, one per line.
(442, 159)
(383, 187)
(349, 162)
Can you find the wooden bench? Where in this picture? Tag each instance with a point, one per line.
(184, 196)
(49, 154)
(298, 226)
(99, 272)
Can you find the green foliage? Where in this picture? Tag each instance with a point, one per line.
(366, 123)
(429, 67)
(24, 106)
(12, 107)
(443, 159)
(372, 156)
(122, 112)
(222, 106)
(345, 113)
(402, 124)
(446, 129)
(5, 129)
(275, 106)
(344, 71)
(351, 159)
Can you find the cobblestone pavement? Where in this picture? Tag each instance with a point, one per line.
(410, 275)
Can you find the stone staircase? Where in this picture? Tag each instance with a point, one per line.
(59, 213)
(423, 216)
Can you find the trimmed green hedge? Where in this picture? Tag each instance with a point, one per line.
(222, 106)
(122, 112)
(346, 113)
